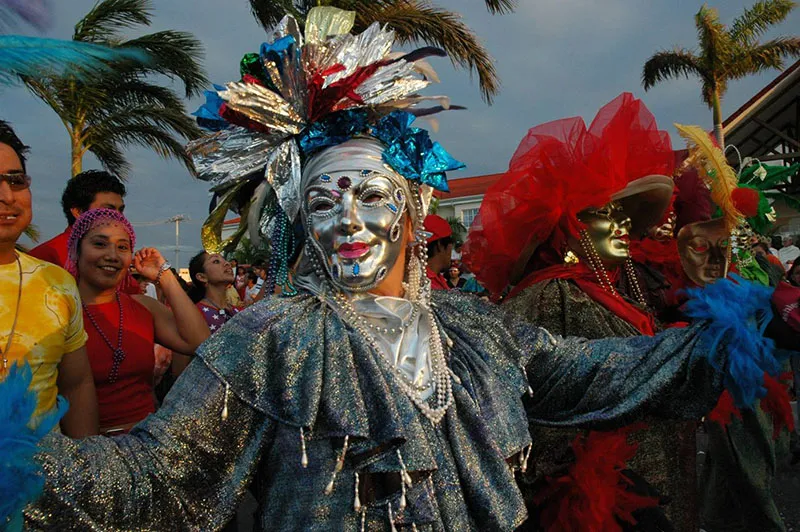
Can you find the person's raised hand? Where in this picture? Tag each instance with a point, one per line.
(148, 262)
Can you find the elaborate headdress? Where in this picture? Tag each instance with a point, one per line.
(85, 223)
(560, 169)
(303, 93)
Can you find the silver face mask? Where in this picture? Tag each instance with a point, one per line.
(356, 223)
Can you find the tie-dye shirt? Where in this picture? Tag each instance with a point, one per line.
(49, 325)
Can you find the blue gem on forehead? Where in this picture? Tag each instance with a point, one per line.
(366, 172)
(392, 207)
(356, 269)
(325, 178)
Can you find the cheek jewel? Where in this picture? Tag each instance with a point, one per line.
(356, 268)
(392, 207)
(325, 178)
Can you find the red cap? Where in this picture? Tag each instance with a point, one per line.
(438, 226)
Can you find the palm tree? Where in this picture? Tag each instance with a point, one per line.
(123, 106)
(413, 21)
(726, 54)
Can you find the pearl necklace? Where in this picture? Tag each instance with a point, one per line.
(440, 374)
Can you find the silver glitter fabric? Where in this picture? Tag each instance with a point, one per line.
(287, 364)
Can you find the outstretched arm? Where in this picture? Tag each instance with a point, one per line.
(612, 382)
(183, 465)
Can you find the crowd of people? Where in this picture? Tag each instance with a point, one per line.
(550, 373)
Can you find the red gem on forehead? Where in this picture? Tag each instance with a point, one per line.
(343, 183)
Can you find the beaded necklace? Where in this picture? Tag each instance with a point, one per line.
(118, 352)
(600, 272)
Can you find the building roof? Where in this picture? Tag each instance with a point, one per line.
(468, 186)
(752, 127)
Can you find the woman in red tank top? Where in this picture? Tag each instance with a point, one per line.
(123, 328)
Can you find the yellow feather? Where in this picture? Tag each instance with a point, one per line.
(714, 169)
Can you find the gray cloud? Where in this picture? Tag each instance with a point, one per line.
(556, 59)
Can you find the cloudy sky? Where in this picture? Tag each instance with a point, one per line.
(556, 58)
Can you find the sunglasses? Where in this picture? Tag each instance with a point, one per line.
(16, 182)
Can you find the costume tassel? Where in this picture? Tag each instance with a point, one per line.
(404, 476)
(338, 468)
(225, 402)
(304, 459)
(391, 518)
(527, 380)
(402, 494)
(363, 519)
(524, 456)
(357, 499)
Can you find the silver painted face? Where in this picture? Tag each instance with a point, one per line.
(355, 221)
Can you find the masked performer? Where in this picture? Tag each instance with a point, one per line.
(566, 212)
(365, 401)
(740, 460)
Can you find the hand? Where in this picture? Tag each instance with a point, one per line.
(148, 262)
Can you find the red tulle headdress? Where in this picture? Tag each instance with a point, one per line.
(559, 169)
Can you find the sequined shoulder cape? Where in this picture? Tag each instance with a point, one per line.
(287, 364)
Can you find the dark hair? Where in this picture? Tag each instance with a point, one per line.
(436, 245)
(761, 245)
(777, 242)
(252, 277)
(792, 268)
(82, 189)
(196, 266)
(7, 136)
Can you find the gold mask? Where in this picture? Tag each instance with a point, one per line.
(704, 248)
(609, 230)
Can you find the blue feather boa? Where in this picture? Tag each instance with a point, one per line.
(21, 479)
(737, 312)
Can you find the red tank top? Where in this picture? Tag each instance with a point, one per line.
(130, 398)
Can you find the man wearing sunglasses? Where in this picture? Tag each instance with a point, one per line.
(41, 321)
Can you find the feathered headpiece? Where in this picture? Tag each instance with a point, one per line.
(302, 93)
(714, 170)
(560, 169)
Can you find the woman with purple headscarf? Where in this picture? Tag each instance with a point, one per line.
(122, 328)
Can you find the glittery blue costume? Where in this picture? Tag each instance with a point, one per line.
(287, 364)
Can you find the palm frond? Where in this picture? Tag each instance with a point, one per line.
(269, 12)
(759, 18)
(111, 157)
(103, 22)
(501, 6)
(418, 21)
(713, 37)
(36, 57)
(154, 138)
(790, 201)
(765, 56)
(175, 54)
(670, 64)
(33, 233)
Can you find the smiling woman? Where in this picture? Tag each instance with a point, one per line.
(123, 328)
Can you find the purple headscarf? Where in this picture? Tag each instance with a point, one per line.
(85, 223)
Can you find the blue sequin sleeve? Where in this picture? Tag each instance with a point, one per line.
(615, 381)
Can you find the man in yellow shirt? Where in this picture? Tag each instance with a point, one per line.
(41, 320)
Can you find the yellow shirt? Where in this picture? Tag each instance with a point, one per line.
(49, 325)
